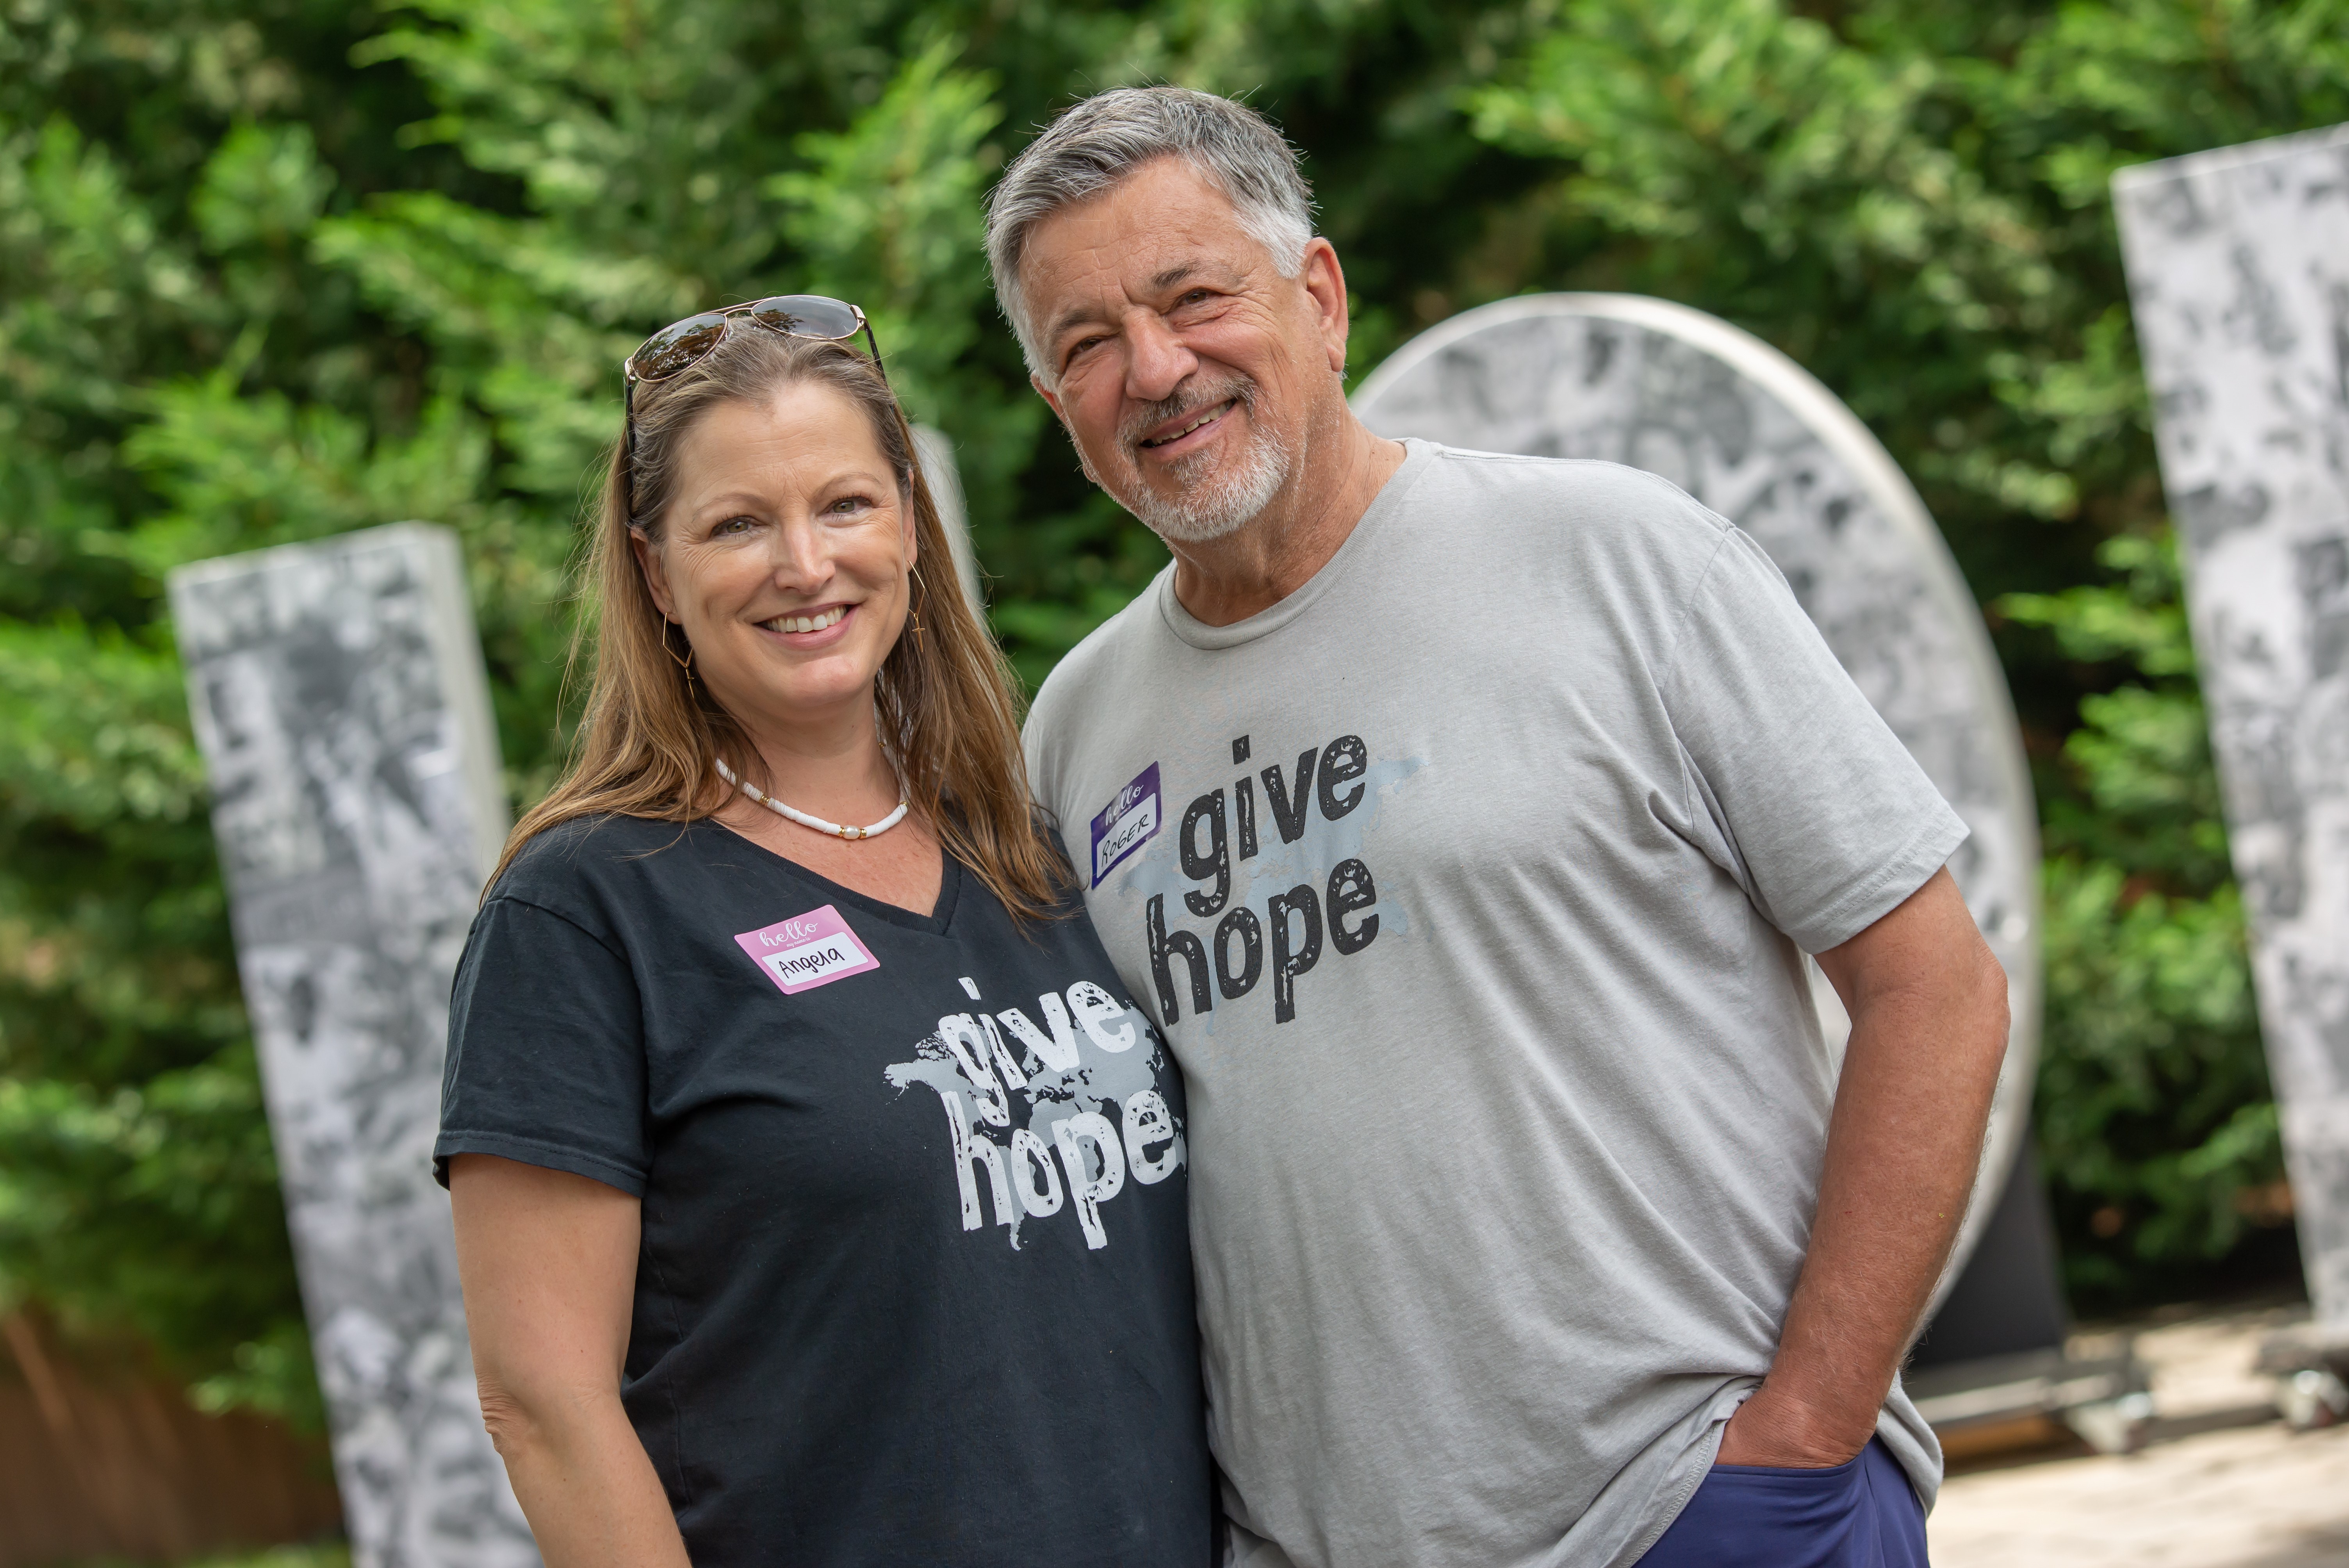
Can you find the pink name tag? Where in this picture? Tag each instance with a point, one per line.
(807, 951)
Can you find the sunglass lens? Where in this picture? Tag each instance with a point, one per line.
(806, 315)
(674, 347)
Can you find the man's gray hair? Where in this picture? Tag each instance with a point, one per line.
(1097, 143)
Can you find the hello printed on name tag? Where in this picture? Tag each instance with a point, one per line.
(1126, 823)
(807, 951)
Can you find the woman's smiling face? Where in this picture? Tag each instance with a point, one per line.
(784, 556)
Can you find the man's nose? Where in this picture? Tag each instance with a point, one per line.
(1157, 361)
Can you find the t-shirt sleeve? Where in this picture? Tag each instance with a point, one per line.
(546, 1056)
(1828, 820)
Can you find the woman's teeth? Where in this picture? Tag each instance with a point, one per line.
(808, 623)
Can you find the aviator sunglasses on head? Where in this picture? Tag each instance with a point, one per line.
(683, 343)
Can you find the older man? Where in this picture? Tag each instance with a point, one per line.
(1463, 821)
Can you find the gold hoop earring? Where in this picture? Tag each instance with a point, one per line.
(685, 664)
(915, 573)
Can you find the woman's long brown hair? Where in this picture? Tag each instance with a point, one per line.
(651, 737)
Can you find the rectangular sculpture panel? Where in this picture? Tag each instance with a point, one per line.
(935, 451)
(339, 695)
(2239, 271)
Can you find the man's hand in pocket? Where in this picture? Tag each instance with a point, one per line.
(1781, 1431)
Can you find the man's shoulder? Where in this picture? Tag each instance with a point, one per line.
(1108, 653)
(1566, 529)
(1590, 493)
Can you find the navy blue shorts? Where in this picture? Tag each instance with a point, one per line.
(1863, 1514)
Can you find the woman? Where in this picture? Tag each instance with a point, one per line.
(820, 1197)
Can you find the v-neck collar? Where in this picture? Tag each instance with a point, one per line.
(935, 924)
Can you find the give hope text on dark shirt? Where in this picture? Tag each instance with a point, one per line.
(914, 1282)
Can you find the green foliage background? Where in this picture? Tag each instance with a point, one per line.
(275, 269)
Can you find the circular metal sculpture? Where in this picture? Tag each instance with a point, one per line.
(1753, 435)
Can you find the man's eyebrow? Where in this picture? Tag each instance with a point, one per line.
(1075, 315)
(1165, 278)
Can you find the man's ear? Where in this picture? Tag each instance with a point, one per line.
(1050, 396)
(1325, 284)
(648, 562)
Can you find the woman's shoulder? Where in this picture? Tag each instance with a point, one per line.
(1064, 907)
(574, 862)
(1044, 826)
(1071, 891)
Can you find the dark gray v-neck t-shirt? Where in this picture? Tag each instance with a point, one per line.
(1471, 885)
(915, 1282)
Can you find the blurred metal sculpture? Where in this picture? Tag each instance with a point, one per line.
(1757, 439)
(2239, 273)
(338, 694)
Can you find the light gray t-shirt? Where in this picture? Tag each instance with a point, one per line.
(1470, 885)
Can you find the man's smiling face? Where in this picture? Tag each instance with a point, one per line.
(1186, 369)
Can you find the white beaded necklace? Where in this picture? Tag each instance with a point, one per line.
(818, 823)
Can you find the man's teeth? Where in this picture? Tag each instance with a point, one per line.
(1217, 412)
(808, 623)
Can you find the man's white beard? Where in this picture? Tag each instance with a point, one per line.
(1207, 504)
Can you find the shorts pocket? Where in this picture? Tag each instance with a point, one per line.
(1804, 1504)
(1772, 1516)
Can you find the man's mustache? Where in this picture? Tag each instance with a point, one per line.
(1184, 400)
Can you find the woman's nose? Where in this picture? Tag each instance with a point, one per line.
(800, 558)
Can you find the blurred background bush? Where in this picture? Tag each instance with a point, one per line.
(271, 269)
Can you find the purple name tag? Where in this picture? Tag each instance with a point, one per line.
(807, 951)
(1126, 823)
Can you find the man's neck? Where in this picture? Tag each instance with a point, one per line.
(1340, 472)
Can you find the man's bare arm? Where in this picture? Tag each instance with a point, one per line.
(1929, 1027)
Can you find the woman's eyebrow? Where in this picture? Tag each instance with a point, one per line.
(729, 498)
(760, 497)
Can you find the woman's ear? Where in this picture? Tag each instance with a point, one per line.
(648, 562)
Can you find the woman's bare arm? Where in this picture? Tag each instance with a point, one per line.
(549, 1265)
